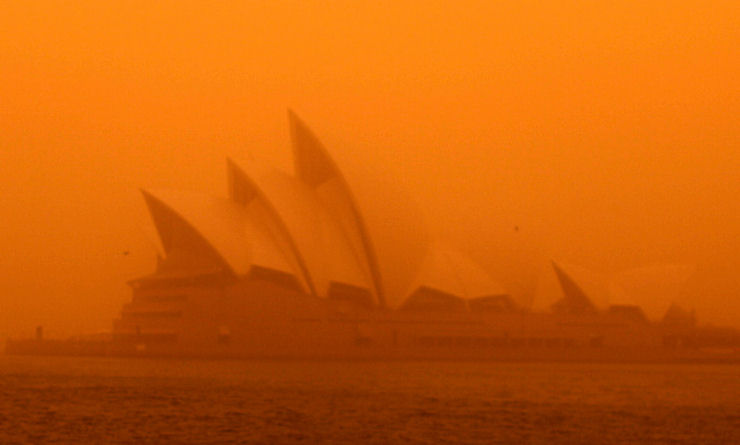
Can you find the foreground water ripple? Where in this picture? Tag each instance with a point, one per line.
(66, 400)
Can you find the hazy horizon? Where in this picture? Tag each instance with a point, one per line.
(606, 135)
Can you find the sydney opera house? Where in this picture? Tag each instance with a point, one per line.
(333, 261)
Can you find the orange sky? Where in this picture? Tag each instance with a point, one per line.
(607, 131)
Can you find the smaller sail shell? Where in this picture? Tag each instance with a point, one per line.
(447, 275)
(233, 237)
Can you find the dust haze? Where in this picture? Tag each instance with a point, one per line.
(606, 136)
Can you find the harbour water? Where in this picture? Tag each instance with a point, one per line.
(118, 400)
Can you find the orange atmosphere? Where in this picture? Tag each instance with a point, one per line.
(603, 134)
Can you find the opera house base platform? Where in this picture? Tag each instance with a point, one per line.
(211, 316)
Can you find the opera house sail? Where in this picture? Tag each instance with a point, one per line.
(333, 261)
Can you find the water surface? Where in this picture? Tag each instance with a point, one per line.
(106, 400)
